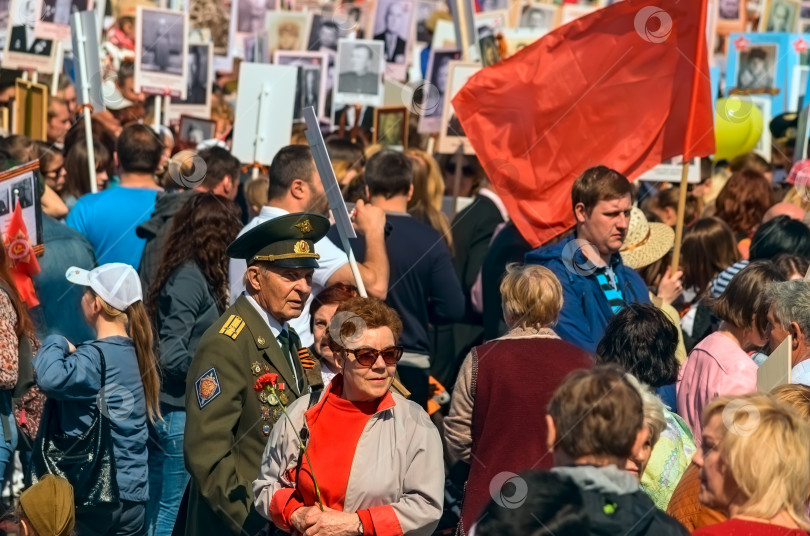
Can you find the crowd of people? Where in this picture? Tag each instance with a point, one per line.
(199, 332)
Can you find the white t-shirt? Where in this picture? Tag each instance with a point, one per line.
(332, 258)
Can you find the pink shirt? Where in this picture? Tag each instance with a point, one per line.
(715, 367)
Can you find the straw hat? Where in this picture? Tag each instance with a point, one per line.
(645, 242)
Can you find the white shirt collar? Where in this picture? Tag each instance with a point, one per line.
(275, 326)
(268, 213)
(495, 198)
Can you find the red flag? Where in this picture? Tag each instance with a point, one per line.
(21, 257)
(626, 86)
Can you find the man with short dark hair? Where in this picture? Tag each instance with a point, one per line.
(109, 218)
(595, 423)
(424, 289)
(295, 186)
(213, 170)
(596, 283)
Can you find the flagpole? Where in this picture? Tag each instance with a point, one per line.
(676, 252)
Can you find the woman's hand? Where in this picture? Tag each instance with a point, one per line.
(670, 287)
(334, 523)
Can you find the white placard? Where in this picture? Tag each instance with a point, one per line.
(161, 50)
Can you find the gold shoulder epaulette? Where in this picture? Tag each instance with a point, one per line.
(233, 327)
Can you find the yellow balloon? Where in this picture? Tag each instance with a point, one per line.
(737, 127)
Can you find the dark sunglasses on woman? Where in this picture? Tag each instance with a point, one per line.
(366, 357)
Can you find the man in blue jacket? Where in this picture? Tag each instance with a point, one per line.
(596, 284)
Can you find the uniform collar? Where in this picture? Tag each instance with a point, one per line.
(275, 326)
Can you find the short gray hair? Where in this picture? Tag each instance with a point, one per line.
(791, 303)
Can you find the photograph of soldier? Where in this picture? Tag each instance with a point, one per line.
(359, 67)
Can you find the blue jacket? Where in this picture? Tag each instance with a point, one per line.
(585, 312)
(75, 381)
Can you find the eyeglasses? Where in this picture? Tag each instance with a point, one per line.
(53, 174)
(366, 357)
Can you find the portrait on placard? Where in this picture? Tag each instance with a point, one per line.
(251, 14)
(359, 68)
(55, 17)
(764, 145)
(391, 126)
(424, 9)
(537, 18)
(798, 87)
(21, 185)
(256, 48)
(451, 134)
(757, 68)
(310, 88)
(730, 16)
(782, 16)
(23, 49)
(431, 94)
(287, 30)
(354, 17)
(392, 25)
(161, 51)
(199, 81)
(215, 17)
(326, 31)
(195, 130)
(571, 12)
(488, 49)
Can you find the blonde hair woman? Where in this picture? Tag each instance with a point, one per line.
(503, 383)
(755, 465)
(428, 191)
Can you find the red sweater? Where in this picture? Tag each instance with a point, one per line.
(741, 527)
(334, 435)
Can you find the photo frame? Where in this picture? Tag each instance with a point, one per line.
(730, 15)
(195, 130)
(256, 49)
(23, 49)
(22, 184)
(671, 171)
(431, 100)
(764, 146)
(288, 30)
(758, 64)
(391, 23)
(451, 135)
(161, 52)
(211, 19)
(422, 12)
(54, 19)
(326, 30)
(31, 101)
(781, 16)
(200, 79)
(356, 17)
(537, 19)
(391, 126)
(359, 68)
(309, 90)
(798, 87)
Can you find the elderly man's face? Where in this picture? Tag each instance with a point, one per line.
(282, 292)
(360, 60)
(392, 17)
(775, 333)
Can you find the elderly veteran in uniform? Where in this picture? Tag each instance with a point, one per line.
(228, 423)
(373, 457)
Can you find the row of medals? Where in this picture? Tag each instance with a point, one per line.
(269, 399)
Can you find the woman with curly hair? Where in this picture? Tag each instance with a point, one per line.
(189, 294)
(741, 204)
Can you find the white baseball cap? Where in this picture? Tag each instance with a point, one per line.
(116, 283)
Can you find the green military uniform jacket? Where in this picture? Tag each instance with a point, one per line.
(227, 424)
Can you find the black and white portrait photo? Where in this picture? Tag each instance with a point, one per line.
(782, 15)
(251, 14)
(538, 18)
(22, 38)
(22, 192)
(359, 68)
(256, 48)
(287, 30)
(198, 77)
(5, 205)
(310, 85)
(392, 27)
(213, 16)
(195, 130)
(728, 9)
(325, 33)
(162, 42)
(59, 11)
(423, 12)
(757, 68)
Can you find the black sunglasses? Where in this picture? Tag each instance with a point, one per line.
(366, 357)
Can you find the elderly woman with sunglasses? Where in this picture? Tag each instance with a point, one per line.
(373, 461)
